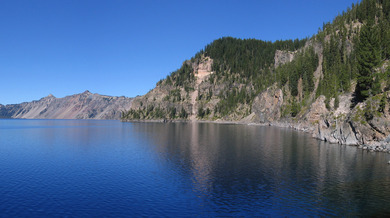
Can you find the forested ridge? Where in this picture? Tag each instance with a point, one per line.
(349, 54)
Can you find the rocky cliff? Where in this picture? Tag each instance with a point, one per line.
(366, 124)
(85, 105)
(282, 57)
(335, 84)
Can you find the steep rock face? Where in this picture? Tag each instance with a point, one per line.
(202, 72)
(282, 57)
(348, 126)
(342, 125)
(332, 126)
(204, 65)
(267, 105)
(80, 106)
(171, 100)
(317, 110)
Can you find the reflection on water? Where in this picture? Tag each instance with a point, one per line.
(108, 168)
(273, 171)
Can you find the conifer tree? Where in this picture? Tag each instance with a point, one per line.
(368, 57)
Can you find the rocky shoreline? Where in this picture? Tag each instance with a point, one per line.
(381, 146)
(343, 124)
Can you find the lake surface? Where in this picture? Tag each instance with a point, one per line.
(84, 168)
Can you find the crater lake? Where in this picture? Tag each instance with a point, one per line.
(97, 168)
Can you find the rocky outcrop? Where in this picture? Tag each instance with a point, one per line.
(267, 105)
(317, 110)
(86, 105)
(342, 133)
(203, 65)
(282, 57)
(341, 125)
(332, 127)
(183, 102)
(352, 127)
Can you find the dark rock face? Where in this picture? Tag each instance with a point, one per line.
(80, 106)
(6, 111)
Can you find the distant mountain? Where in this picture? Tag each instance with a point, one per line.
(85, 105)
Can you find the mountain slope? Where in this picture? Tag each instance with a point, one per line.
(335, 84)
(223, 78)
(85, 105)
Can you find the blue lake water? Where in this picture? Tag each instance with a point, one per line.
(86, 168)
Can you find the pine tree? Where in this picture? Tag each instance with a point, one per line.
(368, 57)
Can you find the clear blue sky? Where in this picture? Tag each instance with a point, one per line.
(123, 47)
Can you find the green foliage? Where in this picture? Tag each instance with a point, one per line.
(376, 85)
(368, 110)
(359, 116)
(338, 67)
(150, 112)
(188, 88)
(183, 114)
(386, 78)
(230, 99)
(172, 113)
(345, 62)
(374, 107)
(181, 77)
(295, 109)
(246, 56)
(368, 57)
(292, 109)
(245, 61)
(363, 12)
(336, 102)
(302, 67)
(327, 103)
(382, 104)
(173, 96)
(201, 112)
